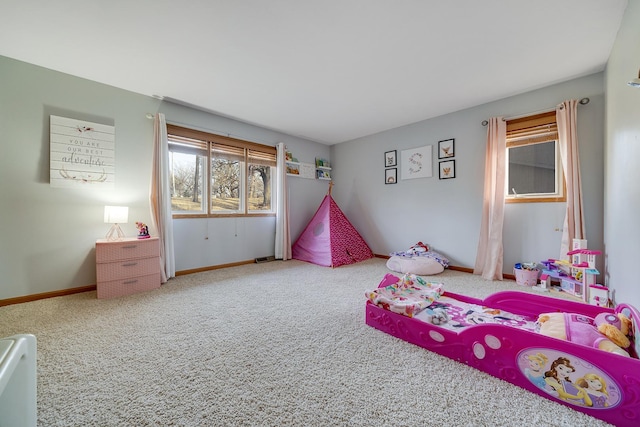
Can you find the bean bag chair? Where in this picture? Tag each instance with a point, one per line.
(420, 265)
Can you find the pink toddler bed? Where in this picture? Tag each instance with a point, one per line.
(498, 335)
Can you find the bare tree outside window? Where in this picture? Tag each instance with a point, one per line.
(225, 185)
(186, 182)
(214, 175)
(259, 187)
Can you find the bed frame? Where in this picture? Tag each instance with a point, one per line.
(503, 351)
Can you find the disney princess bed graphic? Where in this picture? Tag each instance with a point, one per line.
(525, 339)
(569, 378)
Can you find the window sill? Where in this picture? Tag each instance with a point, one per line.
(221, 215)
(524, 199)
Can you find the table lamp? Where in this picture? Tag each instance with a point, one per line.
(115, 215)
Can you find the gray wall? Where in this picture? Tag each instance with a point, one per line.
(48, 234)
(622, 161)
(446, 213)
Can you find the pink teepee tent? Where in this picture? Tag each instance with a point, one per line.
(329, 239)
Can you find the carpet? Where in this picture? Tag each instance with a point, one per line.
(270, 344)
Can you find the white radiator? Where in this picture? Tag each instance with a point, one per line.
(18, 381)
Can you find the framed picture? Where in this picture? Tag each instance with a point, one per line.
(447, 169)
(446, 148)
(416, 162)
(391, 176)
(390, 159)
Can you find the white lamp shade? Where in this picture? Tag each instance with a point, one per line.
(116, 214)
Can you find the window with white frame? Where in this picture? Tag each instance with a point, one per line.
(533, 163)
(213, 175)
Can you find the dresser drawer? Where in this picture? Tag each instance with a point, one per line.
(109, 251)
(132, 285)
(127, 268)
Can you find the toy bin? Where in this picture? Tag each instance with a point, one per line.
(525, 277)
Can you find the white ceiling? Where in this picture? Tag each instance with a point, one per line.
(326, 70)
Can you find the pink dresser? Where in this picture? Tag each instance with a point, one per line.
(127, 266)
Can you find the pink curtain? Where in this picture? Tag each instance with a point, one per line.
(160, 198)
(283, 236)
(489, 258)
(566, 116)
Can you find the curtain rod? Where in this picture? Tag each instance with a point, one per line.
(583, 101)
(214, 132)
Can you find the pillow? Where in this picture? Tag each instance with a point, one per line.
(422, 266)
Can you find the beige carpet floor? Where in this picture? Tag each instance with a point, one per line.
(273, 344)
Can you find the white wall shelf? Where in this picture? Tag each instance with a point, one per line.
(323, 169)
(301, 170)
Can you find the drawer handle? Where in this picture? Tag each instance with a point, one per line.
(129, 264)
(130, 282)
(129, 247)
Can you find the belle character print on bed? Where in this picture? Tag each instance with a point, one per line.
(569, 378)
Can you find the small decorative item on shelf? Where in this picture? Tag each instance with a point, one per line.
(323, 174)
(323, 163)
(143, 230)
(293, 169)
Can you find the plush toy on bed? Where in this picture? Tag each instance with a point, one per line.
(417, 248)
(606, 332)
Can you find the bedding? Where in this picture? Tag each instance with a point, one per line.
(499, 335)
(418, 260)
(408, 296)
(463, 314)
(426, 254)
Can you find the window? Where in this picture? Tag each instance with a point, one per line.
(534, 169)
(213, 175)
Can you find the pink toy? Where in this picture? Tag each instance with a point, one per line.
(498, 336)
(577, 276)
(599, 295)
(143, 230)
(581, 329)
(545, 282)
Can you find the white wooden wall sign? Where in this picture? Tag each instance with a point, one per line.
(82, 154)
